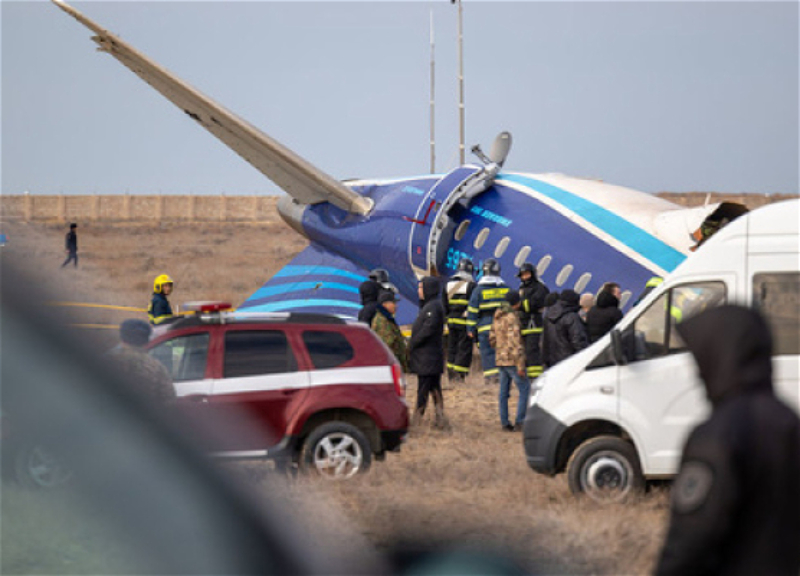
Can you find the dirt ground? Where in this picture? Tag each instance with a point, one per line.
(467, 488)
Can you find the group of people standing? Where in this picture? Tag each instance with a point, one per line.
(519, 332)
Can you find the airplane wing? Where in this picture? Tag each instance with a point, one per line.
(299, 178)
(318, 280)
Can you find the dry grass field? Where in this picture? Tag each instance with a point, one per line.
(469, 487)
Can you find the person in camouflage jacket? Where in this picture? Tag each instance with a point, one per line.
(506, 338)
(130, 358)
(385, 326)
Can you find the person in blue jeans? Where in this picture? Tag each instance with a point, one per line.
(506, 338)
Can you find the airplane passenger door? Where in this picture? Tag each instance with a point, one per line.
(425, 224)
(661, 395)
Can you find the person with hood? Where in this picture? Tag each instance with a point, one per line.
(735, 505)
(426, 351)
(455, 298)
(369, 290)
(486, 298)
(506, 338)
(564, 333)
(605, 314)
(385, 326)
(532, 293)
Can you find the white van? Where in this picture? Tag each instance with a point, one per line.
(618, 413)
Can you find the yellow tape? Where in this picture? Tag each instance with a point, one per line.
(86, 305)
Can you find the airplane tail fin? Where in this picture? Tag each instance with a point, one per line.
(318, 280)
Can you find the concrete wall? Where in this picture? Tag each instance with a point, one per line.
(151, 208)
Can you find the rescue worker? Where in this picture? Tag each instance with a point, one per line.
(604, 315)
(160, 310)
(648, 287)
(132, 360)
(370, 290)
(532, 293)
(71, 245)
(385, 326)
(735, 505)
(456, 299)
(506, 338)
(487, 296)
(426, 351)
(564, 332)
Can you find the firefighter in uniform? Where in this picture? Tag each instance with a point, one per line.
(532, 292)
(488, 295)
(456, 299)
(160, 309)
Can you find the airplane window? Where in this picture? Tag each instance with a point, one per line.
(582, 282)
(481, 239)
(543, 264)
(461, 230)
(522, 256)
(501, 247)
(564, 275)
(624, 298)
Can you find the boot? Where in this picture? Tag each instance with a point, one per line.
(440, 421)
(416, 418)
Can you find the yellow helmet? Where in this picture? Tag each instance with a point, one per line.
(159, 282)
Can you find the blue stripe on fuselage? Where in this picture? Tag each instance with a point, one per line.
(659, 253)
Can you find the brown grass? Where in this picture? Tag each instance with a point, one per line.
(469, 487)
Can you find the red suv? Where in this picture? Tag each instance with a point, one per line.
(315, 390)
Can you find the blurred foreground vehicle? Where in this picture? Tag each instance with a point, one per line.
(619, 411)
(313, 390)
(142, 498)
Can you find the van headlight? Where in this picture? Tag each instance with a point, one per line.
(536, 387)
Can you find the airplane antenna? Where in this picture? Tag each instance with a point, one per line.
(461, 148)
(433, 101)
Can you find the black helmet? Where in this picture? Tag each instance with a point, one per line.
(465, 265)
(527, 267)
(379, 275)
(491, 267)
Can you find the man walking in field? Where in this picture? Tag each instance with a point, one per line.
(71, 246)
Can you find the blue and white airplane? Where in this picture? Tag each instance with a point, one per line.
(579, 233)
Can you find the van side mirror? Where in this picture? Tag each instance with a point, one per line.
(616, 348)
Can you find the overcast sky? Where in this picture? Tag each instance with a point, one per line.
(669, 96)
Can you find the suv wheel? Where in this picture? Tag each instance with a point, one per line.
(35, 466)
(337, 451)
(606, 469)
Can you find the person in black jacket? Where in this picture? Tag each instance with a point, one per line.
(736, 501)
(426, 352)
(370, 290)
(605, 314)
(532, 293)
(564, 333)
(71, 246)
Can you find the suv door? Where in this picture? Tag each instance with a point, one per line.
(660, 394)
(186, 359)
(261, 382)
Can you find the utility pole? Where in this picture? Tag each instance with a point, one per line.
(433, 101)
(461, 149)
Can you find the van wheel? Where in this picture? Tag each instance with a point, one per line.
(337, 451)
(606, 469)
